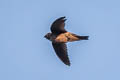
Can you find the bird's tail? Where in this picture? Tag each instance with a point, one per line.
(83, 37)
(73, 37)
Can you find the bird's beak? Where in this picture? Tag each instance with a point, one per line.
(45, 36)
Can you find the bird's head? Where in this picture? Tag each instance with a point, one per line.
(47, 36)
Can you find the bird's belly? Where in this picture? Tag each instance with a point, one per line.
(61, 38)
(66, 37)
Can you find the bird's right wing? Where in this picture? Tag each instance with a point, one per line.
(61, 51)
(58, 25)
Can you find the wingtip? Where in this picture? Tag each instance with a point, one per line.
(63, 17)
(68, 64)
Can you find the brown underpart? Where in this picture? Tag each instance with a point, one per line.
(66, 37)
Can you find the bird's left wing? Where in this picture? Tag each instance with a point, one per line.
(61, 51)
(58, 25)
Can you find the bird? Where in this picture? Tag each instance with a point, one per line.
(59, 36)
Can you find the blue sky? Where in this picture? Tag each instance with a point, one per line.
(26, 55)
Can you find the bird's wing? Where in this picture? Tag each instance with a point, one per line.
(61, 51)
(57, 26)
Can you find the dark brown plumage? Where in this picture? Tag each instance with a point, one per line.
(58, 26)
(60, 37)
(61, 51)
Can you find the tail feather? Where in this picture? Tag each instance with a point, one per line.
(83, 37)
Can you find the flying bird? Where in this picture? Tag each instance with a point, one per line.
(59, 36)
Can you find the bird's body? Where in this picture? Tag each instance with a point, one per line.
(60, 36)
(65, 37)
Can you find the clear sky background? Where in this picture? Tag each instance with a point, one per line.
(26, 55)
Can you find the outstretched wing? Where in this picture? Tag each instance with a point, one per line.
(61, 51)
(58, 26)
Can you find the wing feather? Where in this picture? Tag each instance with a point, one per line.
(58, 26)
(61, 51)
